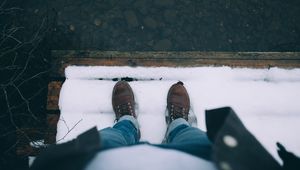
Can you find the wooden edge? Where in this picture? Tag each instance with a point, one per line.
(61, 63)
(174, 54)
(53, 95)
(50, 135)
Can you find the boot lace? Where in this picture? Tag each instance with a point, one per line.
(125, 109)
(178, 112)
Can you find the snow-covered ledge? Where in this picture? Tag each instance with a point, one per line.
(267, 100)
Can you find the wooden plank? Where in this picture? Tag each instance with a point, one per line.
(53, 95)
(174, 55)
(54, 88)
(62, 59)
(59, 71)
(50, 133)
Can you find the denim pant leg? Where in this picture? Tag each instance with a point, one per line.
(181, 136)
(125, 132)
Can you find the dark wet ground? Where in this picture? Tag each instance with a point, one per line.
(224, 25)
(126, 25)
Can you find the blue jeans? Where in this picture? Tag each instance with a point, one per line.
(180, 136)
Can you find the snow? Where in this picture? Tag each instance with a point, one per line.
(266, 100)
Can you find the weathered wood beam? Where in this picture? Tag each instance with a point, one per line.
(62, 59)
(174, 54)
(51, 130)
(53, 95)
(54, 88)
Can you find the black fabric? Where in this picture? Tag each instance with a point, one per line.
(202, 151)
(73, 155)
(290, 160)
(246, 153)
(215, 120)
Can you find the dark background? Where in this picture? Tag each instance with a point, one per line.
(29, 29)
(224, 25)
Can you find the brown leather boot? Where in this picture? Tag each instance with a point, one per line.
(178, 102)
(123, 100)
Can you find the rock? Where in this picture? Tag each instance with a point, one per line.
(131, 19)
(188, 28)
(72, 27)
(105, 25)
(141, 6)
(150, 23)
(97, 22)
(115, 33)
(163, 2)
(170, 16)
(166, 32)
(150, 43)
(163, 44)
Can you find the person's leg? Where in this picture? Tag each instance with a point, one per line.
(125, 132)
(179, 131)
(181, 136)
